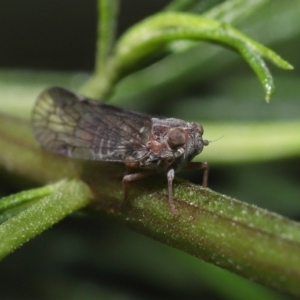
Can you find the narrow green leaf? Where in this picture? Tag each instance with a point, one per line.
(69, 197)
(158, 31)
(27, 196)
(259, 67)
(262, 50)
(158, 77)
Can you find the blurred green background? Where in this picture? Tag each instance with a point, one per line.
(45, 43)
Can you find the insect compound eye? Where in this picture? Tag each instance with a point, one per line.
(176, 138)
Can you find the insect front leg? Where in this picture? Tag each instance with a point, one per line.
(170, 176)
(197, 166)
(136, 176)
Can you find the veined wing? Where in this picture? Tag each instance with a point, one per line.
(74, 126)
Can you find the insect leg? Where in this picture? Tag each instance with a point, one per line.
(200, 165)
(132, 177)
(170, 176)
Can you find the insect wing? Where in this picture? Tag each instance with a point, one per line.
(74, 126)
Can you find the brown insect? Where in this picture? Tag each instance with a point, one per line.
(72, 125)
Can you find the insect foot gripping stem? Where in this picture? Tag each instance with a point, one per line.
(170, 176)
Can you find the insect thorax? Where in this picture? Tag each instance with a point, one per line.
(173, 143)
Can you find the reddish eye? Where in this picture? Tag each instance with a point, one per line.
(176, 138)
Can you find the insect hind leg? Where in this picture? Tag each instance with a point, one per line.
(129, 178)
(197, 166)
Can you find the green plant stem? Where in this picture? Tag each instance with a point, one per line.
(107, 12)
(101, 82)
(100, 85)
(236, 236)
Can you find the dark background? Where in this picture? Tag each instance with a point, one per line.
(58, 35)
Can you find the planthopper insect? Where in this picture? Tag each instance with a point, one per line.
(72, 125)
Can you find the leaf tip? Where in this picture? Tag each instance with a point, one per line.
(285, 65)
(290, 67)
(269, 89)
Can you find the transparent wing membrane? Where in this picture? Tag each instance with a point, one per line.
(74, 126)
